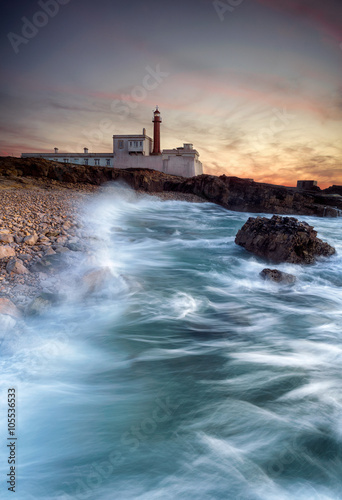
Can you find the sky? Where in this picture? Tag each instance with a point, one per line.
(254, 85)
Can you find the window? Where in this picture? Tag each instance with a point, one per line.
(86, 161)
(140, 143)
(130, 143)
(121, 144)
(65, 160)
(108, 162)
(97, 162)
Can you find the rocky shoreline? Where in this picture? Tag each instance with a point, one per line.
(40, 232)
(37, 220)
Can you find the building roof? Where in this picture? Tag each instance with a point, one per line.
(133, 136)
(63, 155)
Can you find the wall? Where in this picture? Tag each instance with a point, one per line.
(77, 159)
(138, 161)
(183, 166)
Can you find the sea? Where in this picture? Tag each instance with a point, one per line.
(181, 374)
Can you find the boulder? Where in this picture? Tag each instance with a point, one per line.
(7, 307)
(6, 238)
(282, 239)
(16, 266)
(48, 263)
(94, 280)
(31, 239)
(42, 302)
(6, 251)
(277, 276)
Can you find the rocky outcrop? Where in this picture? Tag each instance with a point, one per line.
(282, 239)
(233, 193)
(277, 276)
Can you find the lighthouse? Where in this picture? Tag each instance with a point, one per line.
(156, 133)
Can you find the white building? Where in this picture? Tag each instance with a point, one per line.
(136, 151)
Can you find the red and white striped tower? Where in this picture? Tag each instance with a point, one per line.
(156, 134)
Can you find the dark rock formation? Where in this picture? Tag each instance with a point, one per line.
(336, 190)
(277, 276)
(282, 239)
(233, 193)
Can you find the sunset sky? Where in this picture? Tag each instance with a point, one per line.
(255, 85)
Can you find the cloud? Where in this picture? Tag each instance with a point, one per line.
(326, 16)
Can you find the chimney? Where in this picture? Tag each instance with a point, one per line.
(156, 137)
(144, 131)
(85, 151)
(56, 150)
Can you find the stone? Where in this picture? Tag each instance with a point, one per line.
(60, 249)
(48, 263)
(25, 257)
(6, 251)
(277, 276)
(42, 302)
(31, 239)
(61, 240)
(94, 280)
(282, 239)
(6, 238)
(50, 251)
(7, 307)
(16, 266)
(75, 247)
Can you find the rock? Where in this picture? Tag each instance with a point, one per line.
(25, 257)
(50, 251)
(7, 307)
(75, 247)
(6, 251)
(6, 238)
(282, 239)
(41, 303)
(94, 280)
(16, 266)
(61, 240)
(31, 239)
(277, 276)
(60, 249)
(48, 263)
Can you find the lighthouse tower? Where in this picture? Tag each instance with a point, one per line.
(156, 134)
